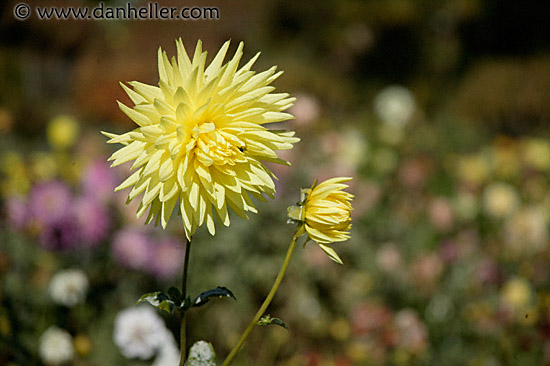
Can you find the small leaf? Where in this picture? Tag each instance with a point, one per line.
(175, 295)
(159, 300)
(268, 320)
(201, 354)
(217, 292)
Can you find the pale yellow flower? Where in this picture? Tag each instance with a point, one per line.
(536, 152)
(325, 213)
(501, 199)
(62, 131)
(201, 138)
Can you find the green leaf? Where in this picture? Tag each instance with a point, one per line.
(201, 354)
(175, 295)
(159, 300)
(204, 297)
(268, 320)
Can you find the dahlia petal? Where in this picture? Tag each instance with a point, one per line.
(130, 181)
(227, 92)
(183, 112)
(274, 77)
(258, 196)
(236, 205)
(134, 97)
(186, 214)
(331, 253)
(204, 173)
(246, 99)
(270, 117)
(162, 107)
(168, 124)
(194, 195)
(154, 163)
(198, 54)
(319, 236)
(138, 188)
(167, 91)
(151, 193)
(150, 111)
(153, 211)
(168, 190)
(135, 116)
(162, 61)
(149, 92)
(143, 157)
(202, 208)
(214, 67)
(184, 62)
(166, 170)
(151, 133)
(210, 220)
(231, 66)
(113, 136)
(166, 211)
(206, 91)
(219, 191)
(223, 214)
(127, 153)
(248, 65)
(177, 75)
(259, 80)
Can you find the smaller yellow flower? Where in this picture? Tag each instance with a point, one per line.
(62, 132)
(324, 213)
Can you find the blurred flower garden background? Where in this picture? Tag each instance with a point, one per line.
(439, 110)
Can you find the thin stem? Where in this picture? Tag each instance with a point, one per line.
(266, 302)
(183, 332)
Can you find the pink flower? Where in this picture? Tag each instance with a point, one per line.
(63, 234)
(132, 249)
(50, 202)
(93, 220)
(167, 258)
(17, 212)
(369, 317)
(98, 181)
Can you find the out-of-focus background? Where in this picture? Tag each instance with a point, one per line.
(440, 111)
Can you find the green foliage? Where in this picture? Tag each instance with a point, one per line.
(268, 320)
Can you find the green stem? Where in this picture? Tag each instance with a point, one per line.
(266, 302)
(183, 332)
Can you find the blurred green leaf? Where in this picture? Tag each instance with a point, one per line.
(175, 296)
(268, 320)
(219, 291)
(159, 300)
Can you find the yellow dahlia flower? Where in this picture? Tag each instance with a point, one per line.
(324, 213)
(201, 138)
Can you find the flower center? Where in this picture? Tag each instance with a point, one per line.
(213, 146)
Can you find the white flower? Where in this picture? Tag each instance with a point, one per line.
(139, 332)
(526, 232)
(202, 353)
(169, 353)
(56, 346)
(68, 287)
(395, 105)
